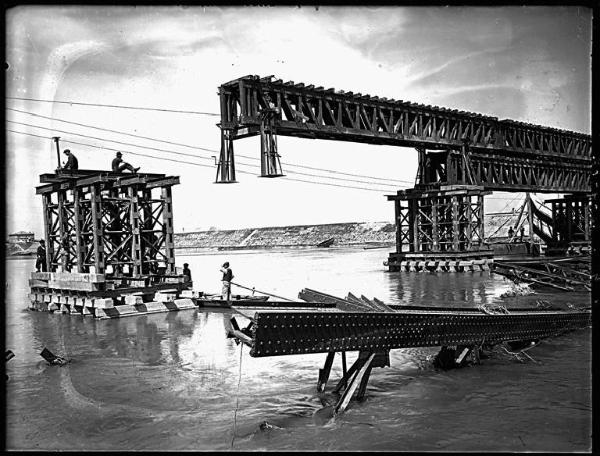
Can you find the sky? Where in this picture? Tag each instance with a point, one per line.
(529, 64)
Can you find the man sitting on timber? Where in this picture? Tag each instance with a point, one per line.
(40, 261)
(227, 278)
(118, 165)
(71, 162)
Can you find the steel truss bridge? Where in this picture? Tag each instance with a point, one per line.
(502, 155)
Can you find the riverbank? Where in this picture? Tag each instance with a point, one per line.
(343, 234)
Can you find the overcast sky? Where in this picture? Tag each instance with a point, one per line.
(529, 64)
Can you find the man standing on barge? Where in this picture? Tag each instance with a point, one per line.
(227, 278)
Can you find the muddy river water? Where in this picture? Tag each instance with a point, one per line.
(173, 381)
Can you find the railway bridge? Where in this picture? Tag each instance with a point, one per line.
(463, 156)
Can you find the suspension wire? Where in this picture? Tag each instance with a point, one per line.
(181, 153)
(204, 148)
(179, 111)
(199, 164)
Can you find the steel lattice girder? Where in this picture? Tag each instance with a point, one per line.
(287, 333)
(306, 111)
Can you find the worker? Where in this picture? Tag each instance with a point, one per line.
(187, 274)
(511, 233)
(40, 262)
(227, 278)
(118, 165)
(522, 234)
(71, 162)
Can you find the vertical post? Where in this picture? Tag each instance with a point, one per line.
(414, 212)
(243, 107)
(397, 212)
(530, 217)
(455, 227)
(56, 138)
(481, 215)
(78, 221)
(47, 201)
(64, 249)
(469, 225)
(569, 219)
(586, 218)
(97, 235)
(168, 227)
(434, 224)
(134, 217)
(226, 165)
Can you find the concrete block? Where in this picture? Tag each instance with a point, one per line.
(125, 309)
(152, 306)
(85, 310)
(103, 303)
(165, 297)
(100, 313)
(185, 303)
(189, 294)
(45, 276)
(52, 307)
(64, 308)
(133, 299)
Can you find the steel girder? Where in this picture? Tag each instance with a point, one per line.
(287, 333)
(552, 160)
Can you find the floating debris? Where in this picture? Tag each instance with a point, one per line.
(52, 359)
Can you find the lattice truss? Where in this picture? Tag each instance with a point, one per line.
(445, 222)
(115, 227)
(503, 154)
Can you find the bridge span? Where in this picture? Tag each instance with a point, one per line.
(502, 155)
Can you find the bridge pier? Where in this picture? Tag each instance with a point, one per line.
(571, 223)
(440, 229)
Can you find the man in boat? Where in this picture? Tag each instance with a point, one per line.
(40, 261)
(71, 162)
(118, 165)
(187, 274)
(227, 278)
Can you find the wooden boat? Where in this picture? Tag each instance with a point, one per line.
(326, 242)
(208, 300)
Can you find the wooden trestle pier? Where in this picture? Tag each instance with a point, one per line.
(373, 328)
(109, 245)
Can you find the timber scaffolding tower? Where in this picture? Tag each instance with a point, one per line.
(108, 223)
(109, 245)
(463, 156)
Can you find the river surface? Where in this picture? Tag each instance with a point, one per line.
(173, 381)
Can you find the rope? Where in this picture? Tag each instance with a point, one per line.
(237, 399)
(262, 292)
